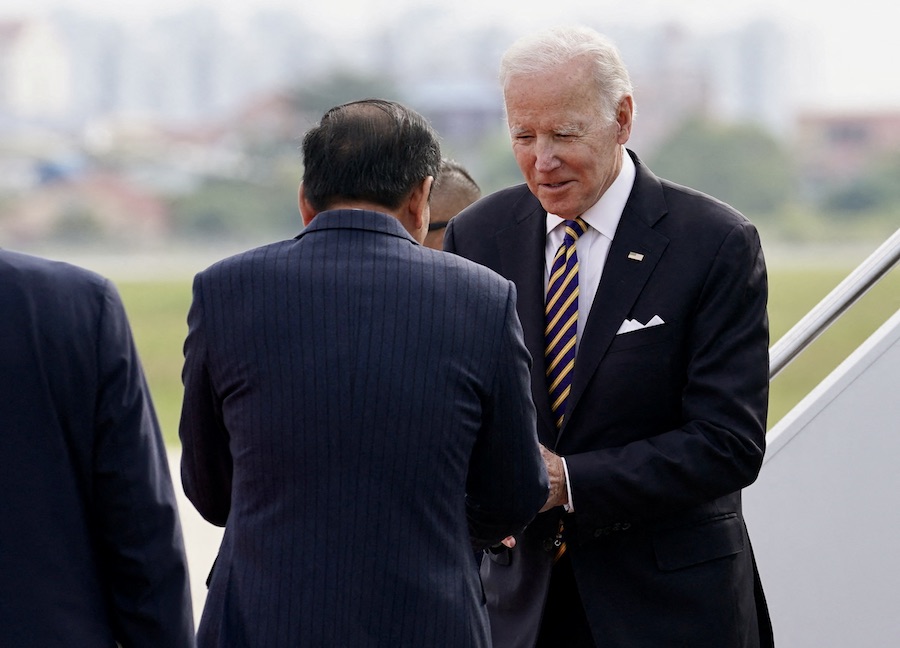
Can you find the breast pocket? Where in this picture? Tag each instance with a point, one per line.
(641, 337)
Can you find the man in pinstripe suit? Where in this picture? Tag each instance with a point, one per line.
(357, 410)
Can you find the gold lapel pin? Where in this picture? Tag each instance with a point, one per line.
(635, 256)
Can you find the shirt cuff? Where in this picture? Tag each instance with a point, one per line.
(570, 507)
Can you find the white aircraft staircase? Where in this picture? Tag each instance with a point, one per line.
(824, 514)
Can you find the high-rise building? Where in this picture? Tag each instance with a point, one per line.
(35, 74)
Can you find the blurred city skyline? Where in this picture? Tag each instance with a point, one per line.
(173, 124)
(840, 59)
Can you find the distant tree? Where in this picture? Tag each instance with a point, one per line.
(877, 190)
(340, 87)
(77, 224)
(862, 195)
(496, 166)
(738, 163)
(227, 210)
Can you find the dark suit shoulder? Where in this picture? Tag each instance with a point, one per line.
(701, 228)
(498, 210)
(673, 209)
(47, 273)
(460, 267)
(471, 281)
(704, 209)
(248, 258)
(54, 290)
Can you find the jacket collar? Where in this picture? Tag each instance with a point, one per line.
(357, 219)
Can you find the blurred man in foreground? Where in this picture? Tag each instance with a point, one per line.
(340, 419)
(454, 190)
(91, 552)
(644, 306)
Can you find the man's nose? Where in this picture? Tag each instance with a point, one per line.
(545, 157)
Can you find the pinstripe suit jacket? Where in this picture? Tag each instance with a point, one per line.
(91, 550)
(356, 407)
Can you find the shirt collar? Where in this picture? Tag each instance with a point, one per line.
(604, 215)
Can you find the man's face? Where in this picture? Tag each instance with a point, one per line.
(567, 151)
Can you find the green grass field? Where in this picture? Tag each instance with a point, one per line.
(157, 311)
(158, 314)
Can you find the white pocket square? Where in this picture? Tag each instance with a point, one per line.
(630, 325)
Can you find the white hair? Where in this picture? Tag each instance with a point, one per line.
(553, 47)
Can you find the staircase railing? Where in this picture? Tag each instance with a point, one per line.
(835, 304)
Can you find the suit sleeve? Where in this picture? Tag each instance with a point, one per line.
(449, 244)
(139, 531)
(507, 482)
(206, 464)
(718, 447)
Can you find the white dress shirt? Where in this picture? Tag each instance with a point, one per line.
(592, 248)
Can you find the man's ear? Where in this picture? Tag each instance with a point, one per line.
(418, 209)
(307, 211)
(625, 118)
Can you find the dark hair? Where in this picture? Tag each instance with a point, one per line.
(371, 150)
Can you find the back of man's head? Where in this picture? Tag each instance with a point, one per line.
(371, 151)
(454, 190)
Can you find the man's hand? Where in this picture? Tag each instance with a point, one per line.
(558, 494)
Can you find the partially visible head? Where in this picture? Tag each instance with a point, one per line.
(373, 153)
(569, 107)
(453, 190)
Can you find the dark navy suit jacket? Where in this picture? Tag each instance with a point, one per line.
(666, 424)
(91, 550)
(357, 411)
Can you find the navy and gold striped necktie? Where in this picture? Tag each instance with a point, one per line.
(560, 333)
(562, 319)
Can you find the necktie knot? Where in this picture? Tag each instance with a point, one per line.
(574, 228)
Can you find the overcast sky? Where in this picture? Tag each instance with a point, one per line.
(848, 51)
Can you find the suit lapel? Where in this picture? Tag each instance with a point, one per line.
(623, 277)
(522, 261)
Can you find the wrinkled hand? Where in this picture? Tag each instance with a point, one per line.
(558, 494)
